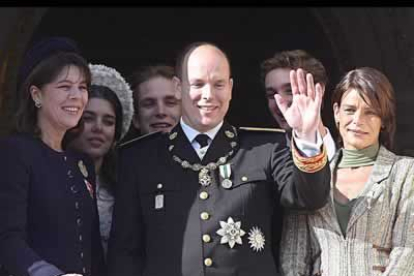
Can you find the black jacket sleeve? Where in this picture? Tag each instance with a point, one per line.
(15, 254)
(298, 189)
(126, 243)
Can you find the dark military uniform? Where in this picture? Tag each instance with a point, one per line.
(167, 223)
(49, 222)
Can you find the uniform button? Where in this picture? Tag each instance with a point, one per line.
(79, 221)
(244, 178)
(74, 189)
(159, 186)
(76, 205)
(81, 255)
(206, 238)
(203, 195)
(65, 158)
(208, 262)
(80, 238)
(84, 270)
(204, 216)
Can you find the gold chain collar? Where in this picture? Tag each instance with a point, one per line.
(204, 177)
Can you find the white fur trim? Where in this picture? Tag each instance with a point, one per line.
(109, 77)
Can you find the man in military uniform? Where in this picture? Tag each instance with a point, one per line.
(191, 204)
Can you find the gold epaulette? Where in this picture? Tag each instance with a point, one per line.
(129, 142)
(263, 129)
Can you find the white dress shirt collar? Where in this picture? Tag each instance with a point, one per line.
(191, 133)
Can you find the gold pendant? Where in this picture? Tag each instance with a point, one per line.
(204, 178)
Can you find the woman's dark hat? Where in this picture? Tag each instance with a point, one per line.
(42, 50)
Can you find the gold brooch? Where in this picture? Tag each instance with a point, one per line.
(82, 168)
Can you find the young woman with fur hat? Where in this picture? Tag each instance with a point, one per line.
(105, 122)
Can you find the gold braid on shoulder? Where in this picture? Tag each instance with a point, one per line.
(309, 164)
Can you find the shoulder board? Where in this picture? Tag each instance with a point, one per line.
(139, 138)
(263, 129)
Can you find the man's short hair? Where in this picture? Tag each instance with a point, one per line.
(295, 59)
(182, 59)
(146, 73)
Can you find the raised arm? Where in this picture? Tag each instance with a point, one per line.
(309, 186)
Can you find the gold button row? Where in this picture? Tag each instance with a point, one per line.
(206, 238)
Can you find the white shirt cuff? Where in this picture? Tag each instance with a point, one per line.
(306, 148)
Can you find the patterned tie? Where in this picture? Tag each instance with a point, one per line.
(202, 140)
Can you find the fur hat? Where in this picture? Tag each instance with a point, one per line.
(109, 77)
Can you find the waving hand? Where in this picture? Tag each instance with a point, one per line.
(303, 115)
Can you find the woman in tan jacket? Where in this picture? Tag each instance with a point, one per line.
(367, 226)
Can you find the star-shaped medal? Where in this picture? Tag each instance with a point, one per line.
(256, 239)
(231, 232)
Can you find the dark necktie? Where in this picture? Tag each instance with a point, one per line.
(202, 140)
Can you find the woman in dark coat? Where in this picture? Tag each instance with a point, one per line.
(49, 224)
(106, 120)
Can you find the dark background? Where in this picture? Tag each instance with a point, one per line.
(125, 38)
(343, 38)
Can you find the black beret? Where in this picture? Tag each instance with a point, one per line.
(42, 50)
